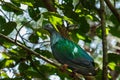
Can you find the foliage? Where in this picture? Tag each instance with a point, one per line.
(78, 20)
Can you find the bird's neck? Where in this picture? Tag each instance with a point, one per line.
(55, 36)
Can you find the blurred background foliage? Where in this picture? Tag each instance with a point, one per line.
(78, 20)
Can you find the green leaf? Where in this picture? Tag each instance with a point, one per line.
(15, 3)
(114, 58)
(83, 25)
(34, 38)
(39, 3)
(2, 63)
(99, 76)
(23, 67)
(5, 56)
(34, 13)
(53, 17)
(15, 54)
(41, 34)
(117, 68)
(74, 36)
(55, 20)
(44, 53)
(99, 32)
(11, 8)
(4, 74)
(80, 34)
(6, 63)
(33, 73)
(2, 21)
(9, 63)
(114, 20)
(114, 29)
(7, 28)
(27, 2)
(112, 65)
(88, 4)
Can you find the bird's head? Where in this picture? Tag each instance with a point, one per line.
(49, 27)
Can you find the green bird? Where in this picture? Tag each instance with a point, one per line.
(67, 52)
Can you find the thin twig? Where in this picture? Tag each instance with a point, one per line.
(24, 25)
(21, 28)
(104, 40)
(20, 37)
(112, 8)
(5, 15)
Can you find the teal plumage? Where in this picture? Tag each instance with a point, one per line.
(67, 52)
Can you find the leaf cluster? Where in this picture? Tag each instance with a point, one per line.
(22, 21)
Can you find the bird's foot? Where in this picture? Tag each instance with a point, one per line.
(73, 74)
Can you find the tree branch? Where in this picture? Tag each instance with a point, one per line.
(37, 55)
(104, 41)
(49, 5)
(31, 51)
(112, 8)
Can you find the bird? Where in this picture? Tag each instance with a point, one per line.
(68, 52)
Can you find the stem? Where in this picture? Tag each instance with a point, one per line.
(104, 41)
(20, 29)
(112, 8)
(5, 15)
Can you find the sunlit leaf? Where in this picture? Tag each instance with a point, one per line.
(5, 63)
(89, 17)
(5, 55)
(41, 34)
(112, 65)
(80, 37)
(9, 63)
(109, 76)
(4, 74)
(27, 2)
(55, 20)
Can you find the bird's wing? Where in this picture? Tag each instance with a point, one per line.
(82, 62)
(67, 50)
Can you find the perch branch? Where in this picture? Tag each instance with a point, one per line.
(36, 54)
(31, 51)
(104, 41)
